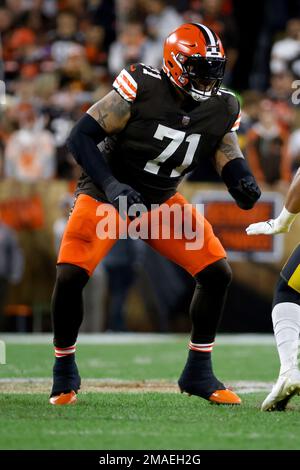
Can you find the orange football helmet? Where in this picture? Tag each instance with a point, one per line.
(194, 60)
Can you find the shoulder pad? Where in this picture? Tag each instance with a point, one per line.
(126, 85)
(233, 108)
(131, 80)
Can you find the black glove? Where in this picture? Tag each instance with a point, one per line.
(246, 193)
(240, 182)
(114, 190)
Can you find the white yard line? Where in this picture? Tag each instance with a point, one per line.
(137, 338)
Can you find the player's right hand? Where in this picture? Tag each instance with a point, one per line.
(269, 227)
(122, 196)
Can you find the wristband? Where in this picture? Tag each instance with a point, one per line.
(286, 218)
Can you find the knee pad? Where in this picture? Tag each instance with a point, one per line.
(216, 276)
(284, 293)
(71, 275)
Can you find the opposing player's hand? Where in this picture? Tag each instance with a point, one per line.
(281, 224)
(115, 191)
(270, 227)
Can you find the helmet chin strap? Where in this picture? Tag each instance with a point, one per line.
(193, 93)
(198, 95)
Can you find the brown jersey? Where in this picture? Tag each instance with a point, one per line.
(163, 139)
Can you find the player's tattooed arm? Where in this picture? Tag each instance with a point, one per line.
(108, 116)
(235, 172)
(228, 150)
(112, 112)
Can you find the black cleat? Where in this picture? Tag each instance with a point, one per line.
(198, 379)
(66, 381)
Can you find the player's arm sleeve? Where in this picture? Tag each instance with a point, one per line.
(106, 117)
(230, 162)
(235, 172)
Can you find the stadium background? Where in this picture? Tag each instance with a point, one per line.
(61, 56)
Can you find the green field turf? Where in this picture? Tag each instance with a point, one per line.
(149, 420)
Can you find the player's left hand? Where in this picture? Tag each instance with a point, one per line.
(269, 227)
(246, 193)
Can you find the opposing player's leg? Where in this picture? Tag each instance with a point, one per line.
(212, 274)
(81, 250)
(286, 325)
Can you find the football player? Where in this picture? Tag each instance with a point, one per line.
(138, 142)
(286, 304)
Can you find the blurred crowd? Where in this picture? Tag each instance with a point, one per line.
(60, 56)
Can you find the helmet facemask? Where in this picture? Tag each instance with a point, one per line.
(205, 76)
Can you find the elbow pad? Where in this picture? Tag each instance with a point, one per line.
(241, 183)
(86, 128)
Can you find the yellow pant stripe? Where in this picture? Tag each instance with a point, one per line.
(294, 280)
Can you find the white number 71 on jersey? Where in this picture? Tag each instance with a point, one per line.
(177, 137)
